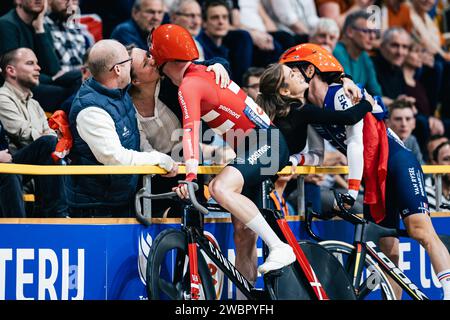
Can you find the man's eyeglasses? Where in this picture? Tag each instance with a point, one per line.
(121, 62)
(189, 15)
(375, 32)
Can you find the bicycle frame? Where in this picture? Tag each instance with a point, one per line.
(366, 235)
(192, 225)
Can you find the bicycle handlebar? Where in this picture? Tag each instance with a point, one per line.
(191, 187)
(349, 217)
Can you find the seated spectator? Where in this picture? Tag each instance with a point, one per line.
(401, 120)
(432, 143)
(441, 156)
(85, 74)
(105, 131)
(326, 34)
(388, 61)
(250, 81)
(69, 40)
(49, 190)
(435, 79)
(352, 51)
(298, 17)
(188, 14)
(22, 117)
(269, 43)
(396, 13)
(425, 28)
(23, 27)
(338, 10)
(145, 15)
(218, 40)
(427, 124)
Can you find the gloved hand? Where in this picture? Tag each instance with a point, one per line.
(347, 200)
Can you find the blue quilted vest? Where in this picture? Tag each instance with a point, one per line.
(102, 190)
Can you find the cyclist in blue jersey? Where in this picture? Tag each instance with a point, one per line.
(399, 178)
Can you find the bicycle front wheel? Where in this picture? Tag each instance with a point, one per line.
(167, 271)
(374, 283)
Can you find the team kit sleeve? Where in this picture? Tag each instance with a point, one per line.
(355, 157)
(189, 97)
(313, 154)
(351, 116)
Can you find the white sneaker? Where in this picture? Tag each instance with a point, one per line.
(278, 258)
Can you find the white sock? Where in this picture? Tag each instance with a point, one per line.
(444, 279)
(260, 226)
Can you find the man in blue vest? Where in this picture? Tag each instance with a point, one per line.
(105, 131)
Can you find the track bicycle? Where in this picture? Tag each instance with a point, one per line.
(316, 274)
(363, 256)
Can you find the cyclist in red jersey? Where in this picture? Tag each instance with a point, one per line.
(260, 147)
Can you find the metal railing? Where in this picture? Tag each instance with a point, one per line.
(149, 171)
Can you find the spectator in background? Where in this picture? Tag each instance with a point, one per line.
(32, 140)
(188, 14)
(396, 13)
(432, 143)
(427, 124)
(401, 120)
(145, 15)
(85, 74)
(105, 131)
(22, 117)
(326, 34)
(218, 40)
(23, 27)
(49, 190)
(269, 43)
(441, 156)
(298, 17)
(425, 29)
(338, 10)
(437, 78)
(250, 81)
(388, 61)
(68, 38)
(352, 51)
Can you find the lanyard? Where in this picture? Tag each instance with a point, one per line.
(279, 202)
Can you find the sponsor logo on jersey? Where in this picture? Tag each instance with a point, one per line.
(183, 105)
(229, 111)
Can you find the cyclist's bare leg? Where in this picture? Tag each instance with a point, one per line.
(420, 228)
(246, 255)
(226, 189)
(390, 247)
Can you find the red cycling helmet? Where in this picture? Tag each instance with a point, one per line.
(323, 60)
(171, 42)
